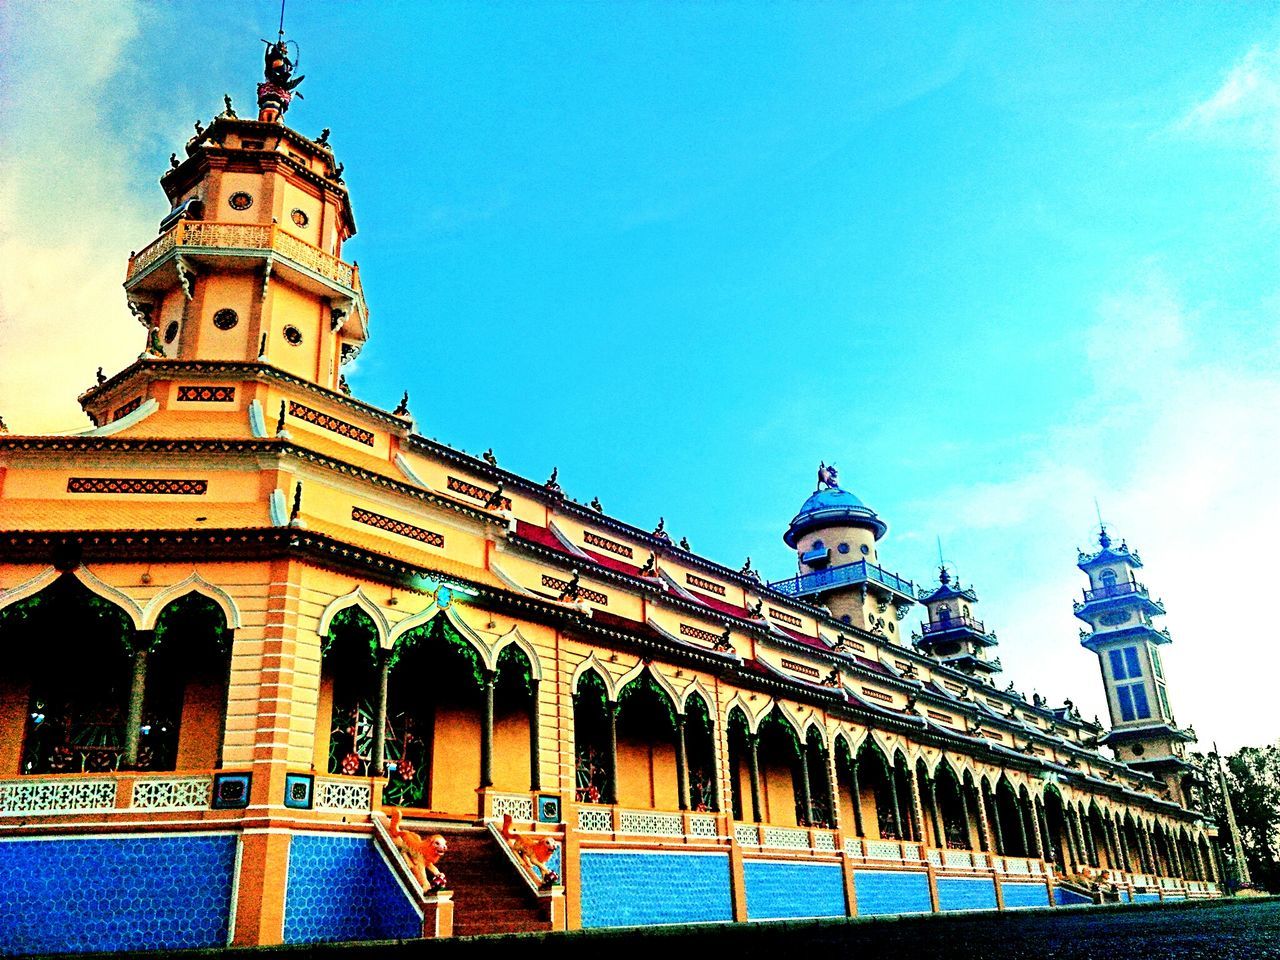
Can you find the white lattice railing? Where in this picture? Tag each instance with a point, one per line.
(650, 823)
(595, 819)
(980, 861)
(853, 847)
(957, 859)
(518, 806)
(934, 857)
(785, 838)
(883, 850)
(826, 842)
(1015, 865)
(747, 834)
(246, 236)
(703, 825)
(342, 793)
(44, 797)
(171, 793)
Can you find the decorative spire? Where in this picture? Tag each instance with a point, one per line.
(276, 90)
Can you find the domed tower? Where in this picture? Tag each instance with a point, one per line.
(248, 263)
(952, 634)
(835, 536)
(1119, 611)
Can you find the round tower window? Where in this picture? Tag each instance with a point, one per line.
(171, 332)
(819, 545)
(843, 548)
(890, 626)
(300, 217)
(293, 335)
(865, 549)
(1139, 749)
(225, 319)
(240, 200)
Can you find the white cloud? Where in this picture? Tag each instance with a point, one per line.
(68, 216)
(1250, 92)
(1182, 446)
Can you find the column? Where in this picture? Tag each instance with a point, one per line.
(995, 819)
(378, 761)
(1122, 842)
(1090, 846)
(611, 708)
(939, 838)
(753, 755)
(487, 683)
(857, 799)
(1037, 845)
(984, 825)
(682, 763)
(1050, 851)
(535, 765)
(1022, 824)
(964, 815)
(1144, 848)
(895, 806)
(141, 644)
(806, 796)
(917, 807)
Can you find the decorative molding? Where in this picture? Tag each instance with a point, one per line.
(604, 543)
(206, 394)
(584, 593)
(785, 617)
(151, 486)
(331, 423)
(875, 694)
(706, 585)
(458, 485)
(801, 668)
(697, 633)
(125, 409)
(360, 515)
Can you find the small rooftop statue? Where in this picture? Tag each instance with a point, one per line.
(828, 476)
(750, 571)
(402, 410)
(277, 89)
(228, 111)
(494, 502)
(684, 544)
(489, 457)
(660, 531)
(101, 377)
(596, 505)
(552, 483)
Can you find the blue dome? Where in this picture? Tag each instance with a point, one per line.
(833, 507)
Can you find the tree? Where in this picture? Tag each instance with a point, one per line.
(1253, 781)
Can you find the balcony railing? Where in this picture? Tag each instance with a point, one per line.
(201, 234)
(1115, 590)
(849, 574)
(953, 623)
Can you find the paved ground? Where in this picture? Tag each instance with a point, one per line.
(1205, 930)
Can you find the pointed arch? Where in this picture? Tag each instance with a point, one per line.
(412, 622)
(111, 594)
(792, 717)
(471, 635)
(842, 736)
(812, 724)
(29, 588)
(753, 717)
(514, 637)
(696, 689)
(194, 583)
(356, 598)
(592, 664)
(663, 683)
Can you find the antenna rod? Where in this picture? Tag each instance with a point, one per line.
(282, 2)
(1096, 508)
(941, 562)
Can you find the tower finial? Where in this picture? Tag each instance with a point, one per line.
(276, 90)
(1104, 539)
(943, 576)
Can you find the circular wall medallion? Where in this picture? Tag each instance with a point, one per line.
(240, 200)
(225, 319)
(171, 331)
(293, 335)
(300, 217)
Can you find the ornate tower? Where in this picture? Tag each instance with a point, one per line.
(248, 264)
(1119, 611)
(952, 634)
(835, 536)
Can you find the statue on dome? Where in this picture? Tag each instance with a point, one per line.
(277, 89)
(828, 476)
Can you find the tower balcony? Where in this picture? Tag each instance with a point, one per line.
(203, 239)
(934, 631)
(1129, 594)
(858, 573)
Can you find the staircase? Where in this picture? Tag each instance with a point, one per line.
(489, 896)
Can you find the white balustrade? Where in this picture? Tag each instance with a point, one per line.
(703, 825)
(957, 859)
(343, 794)
(651, 823)
(883, 850)
(786, 838)
(171, 793)
(853, 846)
(746, 834)
(45, 797)
(595, 820)
(518, 806)
(826, 842)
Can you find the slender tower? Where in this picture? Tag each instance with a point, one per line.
(1119, 612)
(952, 634)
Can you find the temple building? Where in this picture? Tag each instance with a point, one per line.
(261, 638)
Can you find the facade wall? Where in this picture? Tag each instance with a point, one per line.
(624, 889)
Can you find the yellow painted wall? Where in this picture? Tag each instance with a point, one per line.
(511, 751)
(455, 761)
(778, 794)
(14, 699)
(200, 729)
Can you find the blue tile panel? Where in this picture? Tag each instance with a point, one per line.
(1018, 895)
(966, 893)
(1069, 898)
(1146, 898)
(891, 891)
(635, 889)
(778, 890)
(1174, 896)
(340, 888)
(115, 893)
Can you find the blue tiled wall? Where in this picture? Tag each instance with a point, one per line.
(117, 893)
(339, 888)
(966, 893)
(1024, 895)
(1069, 898)
(635, 889)
(891, 891)
(1174, 896)
(1146, 898)
(783, 890)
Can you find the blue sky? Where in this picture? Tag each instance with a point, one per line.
(993, 260)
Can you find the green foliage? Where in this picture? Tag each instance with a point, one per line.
(1253, 780)
(193, 616)
(653, 702)
(351, 624)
